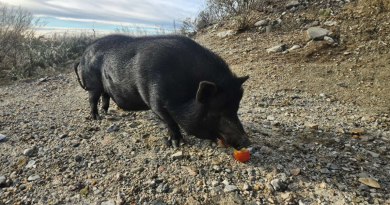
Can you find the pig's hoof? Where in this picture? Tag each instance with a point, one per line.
(167, 141)
(96, 117)
(176, 143)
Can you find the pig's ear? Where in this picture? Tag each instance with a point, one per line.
(242, 80)
(206, 91)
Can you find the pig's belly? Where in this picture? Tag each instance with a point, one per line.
(129, 100)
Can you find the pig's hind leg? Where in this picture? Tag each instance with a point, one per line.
(105, 102)
(175, 137)
(93, 101)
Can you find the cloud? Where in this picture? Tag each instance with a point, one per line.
(119, 12)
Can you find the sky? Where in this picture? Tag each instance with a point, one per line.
(107, 15)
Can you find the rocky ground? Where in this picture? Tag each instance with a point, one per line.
(315, 142)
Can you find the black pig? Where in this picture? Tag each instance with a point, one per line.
(183, 83)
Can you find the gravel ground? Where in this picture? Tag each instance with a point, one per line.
(308, 149)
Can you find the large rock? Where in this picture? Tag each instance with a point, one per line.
(262, 23)
(315, 33)
(223, 34)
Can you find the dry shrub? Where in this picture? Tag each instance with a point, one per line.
(380, 5)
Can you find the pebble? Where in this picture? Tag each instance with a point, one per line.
(373, 154)
(315, 33)
(30, 164)
(110, 202)
(162, 188)
(230, 188)
(33, 178)
(325, 171)
(112, 128)
(214, 183)
(2, 180)
(137, 169)
(246, 186)
(2, 137)
(295, 172)
(278, 185)
(331, 40)
(295, 47)
(177, 155)
(78, 158)
(63, 136)
(278, 48)
(270, 118)
(158, 202)
(28, 152)
(224, 34)
(217, 168)
(262, 23)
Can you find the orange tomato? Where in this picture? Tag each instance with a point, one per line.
(241, 155)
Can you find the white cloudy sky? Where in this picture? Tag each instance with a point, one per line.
(109, 14)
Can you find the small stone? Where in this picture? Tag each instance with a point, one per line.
(2, 137)
(33, 178)
(230, 188)
(224, 34)
(292, 4)
(63, 136)
(137, 169)
(331, 40)
(112, 128)
(313, 126)
(270, 118)
(163, 188)
(373, 154)
(357, 131)
(119, 176)
(225, 182)
(278, 185)
(286, 196)
(110, 202)
(191, 171)
(177, 155)
(324, 95)
(325, 171)
(72, 188)
(214, 183)
(363, 175)
(333, 166)
(30, 164)
(246, 187)
(270, 188)
(315, 33)
(28, 152)
(295, 172)
(158, 202)
(278, 48)
(160, 169)
(78, 158)
(199, 183)
(262, 23)
(2, 180)
(295, 47)
(342, 187)
(217, 168)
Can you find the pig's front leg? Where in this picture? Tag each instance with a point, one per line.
(175, 136)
